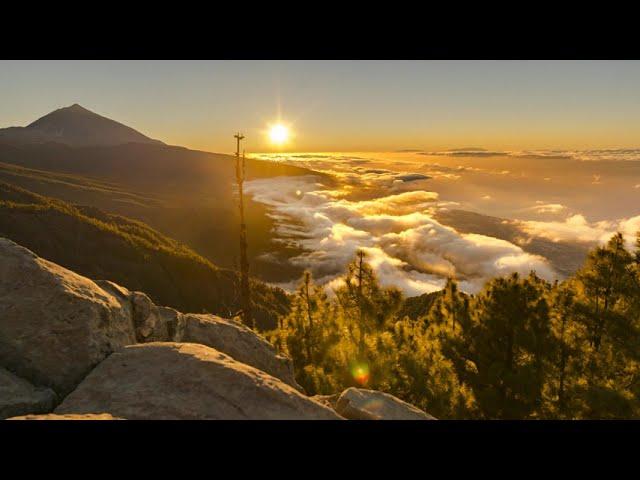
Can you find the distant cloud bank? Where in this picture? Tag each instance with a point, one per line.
(578, 229)
(629, 154)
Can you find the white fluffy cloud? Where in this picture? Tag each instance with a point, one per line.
(578, 228)
(404, 244)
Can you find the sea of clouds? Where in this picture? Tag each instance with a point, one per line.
(389, 213)
(405, 245)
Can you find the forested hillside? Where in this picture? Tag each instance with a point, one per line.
(520, 349)
(111, 247)
(205, 221)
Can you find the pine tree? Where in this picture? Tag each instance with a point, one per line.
(606, 280)
(607, 293)
(500, 354)
(521, 348)
(451, 307)
(366, 307)
(307, 333)
(567, 356)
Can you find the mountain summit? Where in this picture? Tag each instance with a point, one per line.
(75, 126)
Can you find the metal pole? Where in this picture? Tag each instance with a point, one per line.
(245, 294)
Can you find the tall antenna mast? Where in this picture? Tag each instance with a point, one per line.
(245, 293)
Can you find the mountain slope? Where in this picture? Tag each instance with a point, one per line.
(105, 246)
(74, 140)
(186, 194)
(175, 172)
(209, 227)
(75, 126)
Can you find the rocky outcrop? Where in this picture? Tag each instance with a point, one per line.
(236, 340)
(361, 404)
(56, 325)
(107, 352)
(17, 396)
(187, 381)
(53, 416)
(161, 324)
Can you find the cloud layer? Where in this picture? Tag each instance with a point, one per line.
(632, 154)
(577, 228)
(406, 246)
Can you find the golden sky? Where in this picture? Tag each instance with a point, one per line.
(343, 105)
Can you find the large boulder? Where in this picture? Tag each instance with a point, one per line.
(163, 324)
(187, 381)
(236, 340)
(56, 325)
(361, 404)
(19, 397)
(53, 416)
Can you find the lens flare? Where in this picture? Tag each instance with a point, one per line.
(360, 373)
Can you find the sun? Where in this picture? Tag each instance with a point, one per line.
(278, 134)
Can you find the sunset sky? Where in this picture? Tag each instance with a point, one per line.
(343, 105)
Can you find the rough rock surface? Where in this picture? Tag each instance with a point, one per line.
(163, 324)
(53, 416)
(237, 341)
(328, 400)
(17, 396)
(56, 325)
(362, 404)
(187, 381)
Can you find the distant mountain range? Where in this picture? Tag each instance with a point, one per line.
(75, 126)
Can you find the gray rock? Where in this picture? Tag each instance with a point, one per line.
(236, 340)
(187, 381)
(150, 325)
(163, 324)
(361, 404)
(56, 325)
(19, 397)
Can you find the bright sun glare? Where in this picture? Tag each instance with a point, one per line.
(278, 134)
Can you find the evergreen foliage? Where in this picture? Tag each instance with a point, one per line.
(521, 348)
